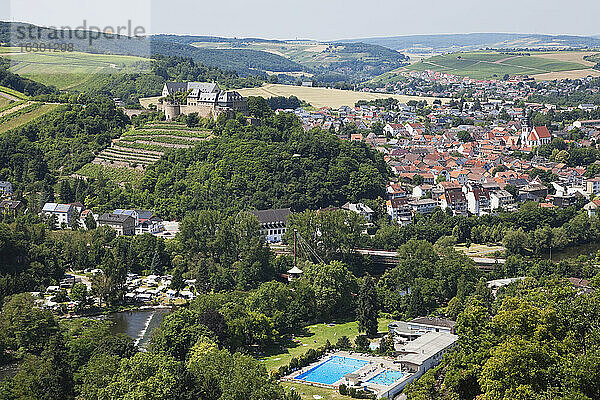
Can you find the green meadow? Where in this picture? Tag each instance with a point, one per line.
(72, 70)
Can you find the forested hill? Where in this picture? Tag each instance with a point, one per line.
(533, 340)
(243, 61)
(273, 166)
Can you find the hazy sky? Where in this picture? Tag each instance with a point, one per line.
(323, 19)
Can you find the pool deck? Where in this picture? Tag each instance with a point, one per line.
(375, 366)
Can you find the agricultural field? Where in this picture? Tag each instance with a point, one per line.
(323, 97)
(138, 148)
(112, 173)
(21, 113)
(494, 65)
(316, 336)
(72, 70)
(12, 94)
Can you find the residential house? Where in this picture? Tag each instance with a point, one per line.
(62, 212)
(360, 209)
(592, 185)
(421, 190)
(415, 129)
(395, 191)
(592, 207)
(394, 129)
(459, 176)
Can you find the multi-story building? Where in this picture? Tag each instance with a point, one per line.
(478, 199)
(422, 206)
(455, 200)
(592, 185)
(399, 211)
(62, 212)
(501, 199)
(123, 224)
(273, 223)
(203, 98)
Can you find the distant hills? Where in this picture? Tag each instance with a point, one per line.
(325, 61)
(243, 61)
(476, 41)
(343, 63)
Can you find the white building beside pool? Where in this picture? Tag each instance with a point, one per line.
(383, 376)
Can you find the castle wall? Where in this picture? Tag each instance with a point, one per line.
(171, 111)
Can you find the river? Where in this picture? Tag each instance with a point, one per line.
(139, 324)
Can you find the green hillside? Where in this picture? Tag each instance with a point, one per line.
(326, 61)
(73, 70)
(488, 65)
(128, 156)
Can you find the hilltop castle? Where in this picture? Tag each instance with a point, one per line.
(206, 99)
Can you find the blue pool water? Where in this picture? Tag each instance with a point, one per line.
(332, 370)
(386, 378)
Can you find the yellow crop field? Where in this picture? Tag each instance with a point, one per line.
(323, 97)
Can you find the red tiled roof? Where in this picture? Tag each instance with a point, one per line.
(542, 132)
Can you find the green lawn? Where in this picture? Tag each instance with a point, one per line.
(480, 250)
(307, 392)
(315, 336)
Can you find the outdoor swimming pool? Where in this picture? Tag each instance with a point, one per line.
(332, 370)
(386, 378)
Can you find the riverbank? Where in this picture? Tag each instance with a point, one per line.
(101, 312)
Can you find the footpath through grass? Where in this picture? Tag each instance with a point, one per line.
(315, 336)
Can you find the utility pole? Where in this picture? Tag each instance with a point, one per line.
(295, 231)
